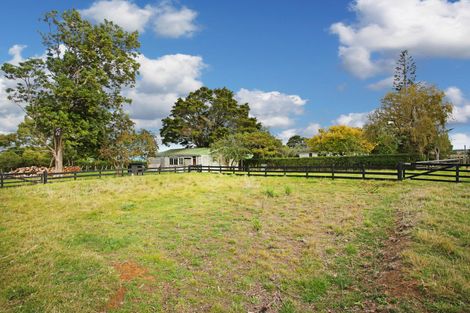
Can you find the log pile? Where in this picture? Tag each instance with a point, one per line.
(30, 170)
(38, 170)
(71, 169)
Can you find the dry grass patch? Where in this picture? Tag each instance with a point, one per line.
(212, 243)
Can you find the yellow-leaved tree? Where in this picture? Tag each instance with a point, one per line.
(340, 140)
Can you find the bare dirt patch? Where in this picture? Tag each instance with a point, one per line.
(116, 300)
(392, 278)
(128, 271)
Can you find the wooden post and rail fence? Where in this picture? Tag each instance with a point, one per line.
(428, 171)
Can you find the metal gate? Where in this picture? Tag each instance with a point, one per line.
(444, 171)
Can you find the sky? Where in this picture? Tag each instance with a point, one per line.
(301, 65)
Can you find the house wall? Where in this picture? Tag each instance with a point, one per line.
(205, 160)
(307, 154)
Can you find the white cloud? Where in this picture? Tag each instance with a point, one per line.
(124, 13)
(461, 110)
(286, 134)
(385, 83)
(161, 82)
(309, 131)
(455, 95)
(172, 22)
(433, 28)
(10, 114)
(167, 20)
(273, 108)
(459, 140)
(15, 52)
(352, 119)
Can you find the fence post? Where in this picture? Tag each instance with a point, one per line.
(74, 175)
(457, 173)
(285, 169)
(363, 168)
(265, 171)
(175, 169)
(100, 173)
(44, 177)
(306, 172)
(333, 171)
(400, 171)
(248, 170)
(1, 179)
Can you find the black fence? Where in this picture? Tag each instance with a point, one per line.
(359, 172)
(429, 171)
(436, 171)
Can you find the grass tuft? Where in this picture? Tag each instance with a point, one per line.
(287, 190)
(270, 193)
(256, 224)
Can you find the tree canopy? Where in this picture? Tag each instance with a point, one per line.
(414, 119)
(340, 140)
(204, 116)
(71, 94)
(240, 146)
(297, 141)
(405, 71)
(123, 143)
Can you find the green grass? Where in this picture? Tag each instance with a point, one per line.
(220, 243)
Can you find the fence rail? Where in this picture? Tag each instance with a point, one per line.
(437, 171)
(430, 171)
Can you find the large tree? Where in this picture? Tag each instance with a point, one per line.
(340, 140)
(297, 142)
(71, 94)
(405, 71)
(123, 143)
(204, 116)
(416, 117)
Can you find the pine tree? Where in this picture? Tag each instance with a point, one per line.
(405, 71)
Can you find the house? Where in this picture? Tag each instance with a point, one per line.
(307, 154)
(183, 157)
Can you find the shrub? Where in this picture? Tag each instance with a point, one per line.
(9, 160)
(386, 161)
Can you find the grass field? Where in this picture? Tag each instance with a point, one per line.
(219, 243)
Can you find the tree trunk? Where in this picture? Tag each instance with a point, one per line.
(58, 151)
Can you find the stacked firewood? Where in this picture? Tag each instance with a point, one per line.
(37, 170)
(30, 170)
(71, 169)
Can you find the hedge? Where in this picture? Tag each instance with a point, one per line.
(11, 159)
(382, 161)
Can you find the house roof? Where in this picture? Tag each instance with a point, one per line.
(184, 152)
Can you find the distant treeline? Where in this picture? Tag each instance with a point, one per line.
(14, 158)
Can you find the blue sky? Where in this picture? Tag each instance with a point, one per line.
(300, 64)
